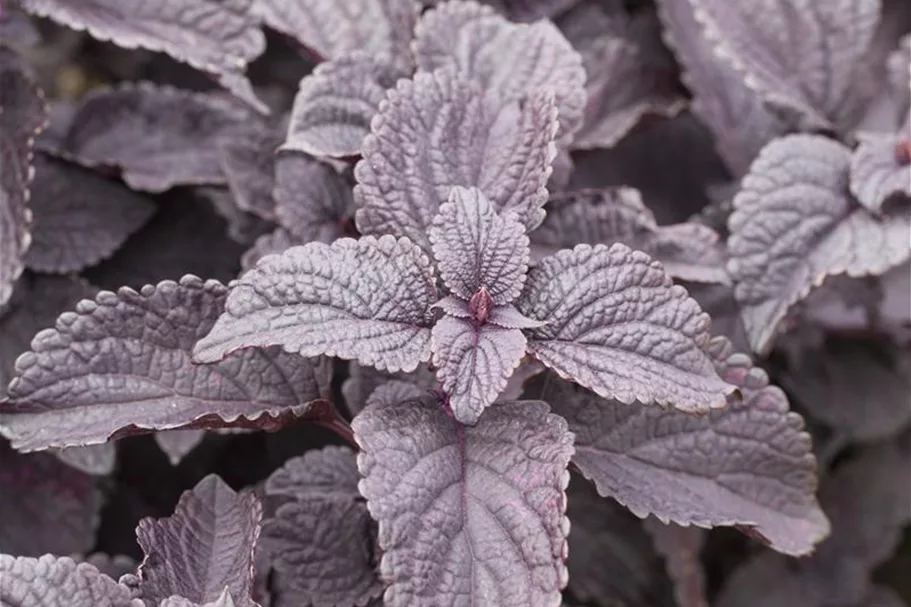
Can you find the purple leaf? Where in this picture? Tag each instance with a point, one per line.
(366, 299)
(327, 473)
(176, 444)
(794, 223)
(120, 364)
(52, 581)
(691, 251)
(277, 241)
(335, 104)
(23, 114)
(748, 464)
(467, 514)
(98, 460)
(515, 60)
(158, 136)
(80, 218)
(205, 547)
(881, 168)
(363, 381)
(504, 149)
(248, 164)
(112, 566)
(224, 600)
(680, 547)
(218, 37)
(243, 227)
(617, 325)
(312, 200)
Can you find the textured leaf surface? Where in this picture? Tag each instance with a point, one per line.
(79, 217)
(224, 600)
(52, 581)
(120, 364)
(794, 223)
(334, 105)
(748, 464)
(158, 136)
(515, 60)
(312, 200)
(204, 547)
(22, 115)
(617, 325)
(366, 299)
(471, 514)
(218, 37)
(503, 149)
(881, 168)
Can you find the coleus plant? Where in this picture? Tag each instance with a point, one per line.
(422, 220)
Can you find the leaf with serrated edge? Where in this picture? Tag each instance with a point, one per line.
(472, 514)
(52, 581)
(367, 300)
(881, 168)
(477, 248)
(330, 472)
(512, 59)
(218, 37)
(204, 547)
(312, 200)
(617, 324)
(504, 149)
(120, 364)
(794, 223)
(749, 464)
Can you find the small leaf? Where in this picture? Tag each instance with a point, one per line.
(218, 37)
(504, 149)
(98, 460)
(312, 200)
(362, 382)
(366, 299)
(794, 223)
(176, 444)
(881, 168)
(52, 581)
(617, 325)
(472, 514)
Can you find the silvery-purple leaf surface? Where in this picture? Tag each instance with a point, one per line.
(312, 200)
(336, 102)
(277, 241)
(56, 508)
(328, 473)
(794, 223)
(120, 364)
(204, 547)
(503, 148)
(748, 465)
(158, 136)
(471, 515)
(515, 60)
(215, 36)
(79, 217)
(617, 325)
(681, 547)
(51, 581)
(524, 10)
(363, 381)
(224, 600)
(881, 168)
(248, 164)
(23, 114)
(366, 299)
(176, 444)
(98, 460)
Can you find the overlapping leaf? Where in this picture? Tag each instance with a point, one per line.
(366, 299)
(794, 223)
(52, 581)
(363, 381)
(312, 200)
(881, 168)
(680, 547)
(224, 600)
(248, 164)
(472, 514)
(120, 364)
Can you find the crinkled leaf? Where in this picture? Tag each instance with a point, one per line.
(158, 136)
(617, 325)
(335, 104)
(248, 164)
(22, 115)
(218, 37)
(473, 514)
(476, 248)
(680, 547)
(515, 60)
(366, 299)
(362, 382)
(748, 465)
(881, 168)
(176, 444)
(474, 362)
(794, 223)
(204, 547)
(52, 581)
(436, 132)
(312, 200)
(120, 364)
(79, 217)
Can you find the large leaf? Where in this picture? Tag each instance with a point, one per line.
(881, 168)
(120, 364)
(794, 223)
(22, 115)
(204, 547)
(438, 131)
(471, 515)
(748, 465)
(219, 37)
(52, 581)
(617, 325)
(366, 299)
(515, 60)
(80, 218)
(312, 200)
